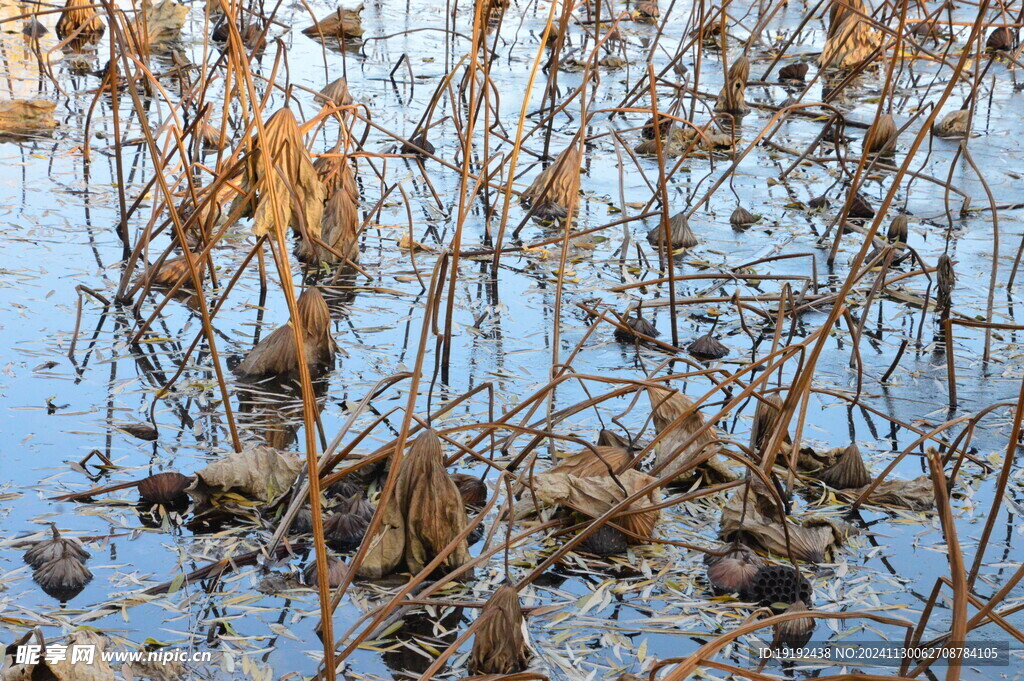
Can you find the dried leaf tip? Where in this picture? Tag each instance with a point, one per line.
(80, 22)
(342, 23)
(794, 633)
(499, 646)
(899, 229)
(733, 571)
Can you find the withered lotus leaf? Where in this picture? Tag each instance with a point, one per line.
(676, 420)
(848, 471)
(594, 496)
(26, 116)
(433, 509)
(63, 578)
(555, 192)
(160, 23)
(280, 169)
(258, 472)
(811, 541)
(278, 355)
(79, 19)
(587, 463)
(499, 646)
(424, 515)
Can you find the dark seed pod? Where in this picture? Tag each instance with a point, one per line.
(143, 431)
(899, 229)
(794, 71)
(303, 523)
(679, 233)
(604, 541)
(637, 325)
(733, 573)
(336, 571)
(54, 548)
(166, 488)
(741, 217)
(34, 29)
(707, 347)
(63, 578)
(664, 125)
(779, 585)
(419, 146)
(1001, 39)
(794, 633)
(848, 472)
(860, 209)
(947, 282)
(818, 203)
(344, 489)
(344, 531)
(472, 489)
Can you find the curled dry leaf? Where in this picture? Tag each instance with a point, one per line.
(594, 496)
(953, 124)
(79, 21)
(794, 633)
(97, 669)
(342, 23)
(258, 472)
(340, 224)
(916, 495)
(278, 355)
(732, 98)
(63, 578)
(161, 23)
(881, 137)
(499, 646)
(423, 516)
(851, 39)
(679, 233)
(811, 541)
(555, 192)
(676, 419)
(26, 116)
(848, 471)
(55, 547)
(593, 463)
(278, 165)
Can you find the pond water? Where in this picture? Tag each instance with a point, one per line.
(71, 372)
